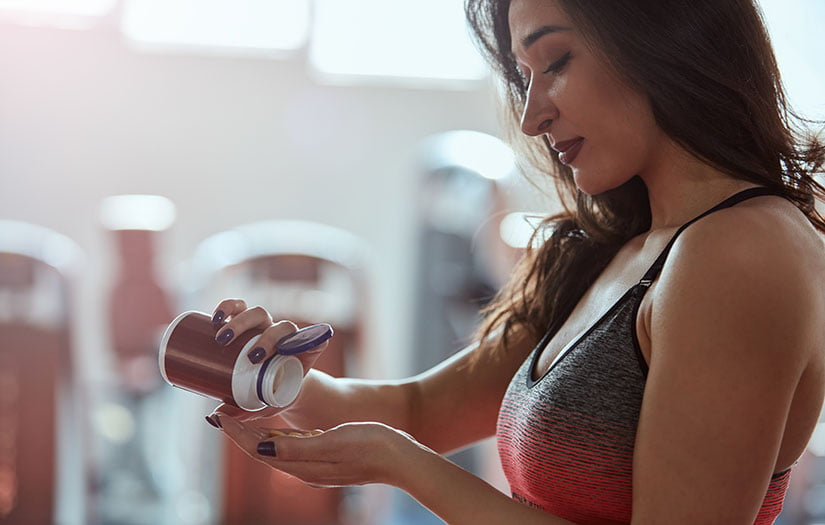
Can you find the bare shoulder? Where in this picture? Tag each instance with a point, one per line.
(767, 235)
(761, 260)
(736, 326)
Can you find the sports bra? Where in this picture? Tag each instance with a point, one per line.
(566, 439)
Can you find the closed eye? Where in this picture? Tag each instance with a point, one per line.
(557, 66)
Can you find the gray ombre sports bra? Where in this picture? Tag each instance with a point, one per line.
(566, 440)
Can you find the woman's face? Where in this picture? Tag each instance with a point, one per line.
(602, 129)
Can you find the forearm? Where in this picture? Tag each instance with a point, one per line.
(458, 497)
(423, 405)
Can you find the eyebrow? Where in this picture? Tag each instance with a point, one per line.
(531, 39)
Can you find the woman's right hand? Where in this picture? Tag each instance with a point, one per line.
(234, 317)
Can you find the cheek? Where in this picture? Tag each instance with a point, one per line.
(618, 124)
(643, 140)
(618, 151)
(631, 129)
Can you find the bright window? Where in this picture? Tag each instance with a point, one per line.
(794, 27)
(404, 42)
(248, 25)
(75, 14)
(64, 7)
(421, 39)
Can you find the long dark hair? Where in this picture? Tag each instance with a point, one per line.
(708, 70)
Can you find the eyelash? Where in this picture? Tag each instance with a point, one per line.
(557, 66)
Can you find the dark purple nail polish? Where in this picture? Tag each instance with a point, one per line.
(225, 336)
(266, 448)
(214, 421)
(218, 318)
(256, 355)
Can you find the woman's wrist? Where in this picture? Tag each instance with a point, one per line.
(404, 462)
(457, 496)
(431, 478)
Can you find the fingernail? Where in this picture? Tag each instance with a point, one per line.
(225, 336)
(266, 448)
(214, 420)
(256, 355)
(218, 318)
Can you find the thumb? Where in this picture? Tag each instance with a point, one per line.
(309, 358)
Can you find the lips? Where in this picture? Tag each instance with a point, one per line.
(568, 150)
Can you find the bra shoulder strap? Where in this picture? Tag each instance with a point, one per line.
(653, 272)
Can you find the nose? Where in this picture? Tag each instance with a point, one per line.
(539, 112)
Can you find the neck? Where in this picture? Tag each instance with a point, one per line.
(680, 186)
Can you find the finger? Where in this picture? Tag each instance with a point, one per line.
(265, 346)
(316, 474)
(307, 344)
(245, 436)
(255, 317)
(298, 445)
(231, 411)
(314, 470)
(227, 308)
(238, 413)
(293, 432)
(319, 473)
(309, 358)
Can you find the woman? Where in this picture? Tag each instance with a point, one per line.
(658, 356)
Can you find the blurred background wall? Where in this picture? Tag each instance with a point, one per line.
(228, 139)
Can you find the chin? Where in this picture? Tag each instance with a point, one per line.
(591, 185)
(595, 184)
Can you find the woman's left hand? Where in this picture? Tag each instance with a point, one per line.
(349, 454)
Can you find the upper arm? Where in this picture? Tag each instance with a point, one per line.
(456, 402)
(730, 329)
